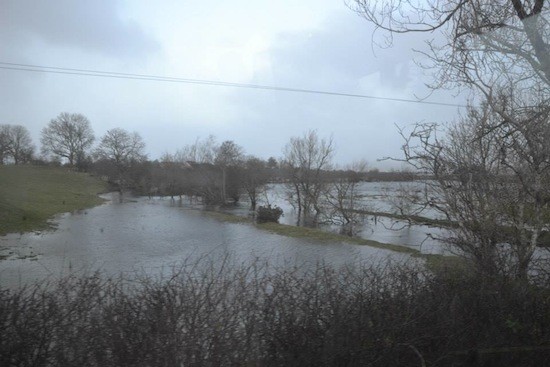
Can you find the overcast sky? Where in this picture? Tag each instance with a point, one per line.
(308, 44)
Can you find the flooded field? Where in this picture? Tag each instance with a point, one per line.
(375, 197)
(153, 235)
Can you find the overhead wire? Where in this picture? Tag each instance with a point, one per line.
(133, 76)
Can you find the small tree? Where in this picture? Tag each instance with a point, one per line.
(307, 158)
(15, 143)
(343, 198)
(4, 142)
(69, 136)
(253, 177)
(229, 155)
(123, 150)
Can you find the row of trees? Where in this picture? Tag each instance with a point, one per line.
(70, 137)
(218, 173)
(222, 172)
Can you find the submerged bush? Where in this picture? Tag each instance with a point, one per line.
(256, 316)
(269, 213)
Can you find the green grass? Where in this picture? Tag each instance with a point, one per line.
(30, 195)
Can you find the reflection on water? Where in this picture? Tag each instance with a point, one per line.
(151, 235)
(381, 229)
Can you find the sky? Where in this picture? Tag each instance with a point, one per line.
(308, 44)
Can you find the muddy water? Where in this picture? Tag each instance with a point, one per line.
(151, 236)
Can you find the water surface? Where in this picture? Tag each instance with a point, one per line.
(152, 235)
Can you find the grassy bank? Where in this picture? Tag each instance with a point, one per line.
(434, 262)
(31, 195)
(314, 234)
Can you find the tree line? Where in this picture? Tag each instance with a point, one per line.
(216, 173)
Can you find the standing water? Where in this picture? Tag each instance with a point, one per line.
(151, 236)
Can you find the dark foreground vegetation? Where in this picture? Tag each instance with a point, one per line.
(254, 316)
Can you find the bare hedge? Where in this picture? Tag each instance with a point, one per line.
(250, 315)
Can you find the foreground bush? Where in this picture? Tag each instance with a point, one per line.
(255, 316)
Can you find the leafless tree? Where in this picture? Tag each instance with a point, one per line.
(4, 142)
(69, 136)
(481, 40)
(15, 143)
(404, 199)
(343, 198)
(228, 155)
(254, 175)
(307, 158)
(488, 179)
(122, 149)
(201, 151)
(491, 169)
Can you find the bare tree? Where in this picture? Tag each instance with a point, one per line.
(21, 147)
(69, 136)
(343, 198)
(228, 155)
(201, 151)
(203, 178)
(254, 175)
(489, 180)
(490, 171)
(4, 142)
(307, 158)
(123, 150)
(481, 39)
(15, 143)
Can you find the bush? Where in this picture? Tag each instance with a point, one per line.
(205, 315)
(269, 213)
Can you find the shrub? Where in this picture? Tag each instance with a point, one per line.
(269, 213)
(249, 315)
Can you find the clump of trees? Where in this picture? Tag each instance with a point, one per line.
(218, 173)
(319, 193)
(15, 144)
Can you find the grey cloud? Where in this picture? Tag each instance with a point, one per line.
(337, 57)
(340, 52)
(94, 26)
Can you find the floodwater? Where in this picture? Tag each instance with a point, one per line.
(153, 235)
(373, 197)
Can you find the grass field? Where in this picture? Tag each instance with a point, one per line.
(30, 195)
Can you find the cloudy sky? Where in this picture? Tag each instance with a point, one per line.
(308, 44)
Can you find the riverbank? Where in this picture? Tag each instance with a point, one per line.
(433, 261)
(311, 233)
(31, 195)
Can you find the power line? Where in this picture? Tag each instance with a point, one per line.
(117, 75)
